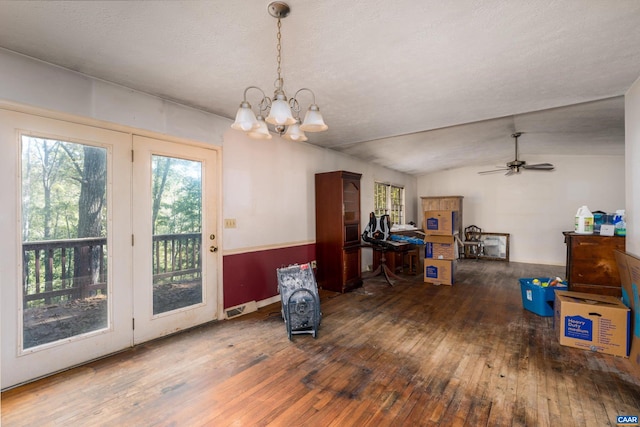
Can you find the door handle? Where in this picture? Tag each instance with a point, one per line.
(213, 249)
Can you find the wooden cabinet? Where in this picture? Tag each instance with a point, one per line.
(338, 230)
(444, 203)
(591, 263)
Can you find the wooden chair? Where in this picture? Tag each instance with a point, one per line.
(412, 261)
(472, 242)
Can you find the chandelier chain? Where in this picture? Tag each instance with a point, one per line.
(279, 82)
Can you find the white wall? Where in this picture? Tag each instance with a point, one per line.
(534, 207)
(268, 186)
(632, 159)
(269, 190)
(36, 83)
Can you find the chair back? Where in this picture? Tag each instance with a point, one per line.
(472, 233)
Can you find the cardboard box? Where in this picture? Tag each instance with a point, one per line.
(440, 247)
(539, 299)
(629, 268)
(439, 271)
(593, 322)
(442, 223)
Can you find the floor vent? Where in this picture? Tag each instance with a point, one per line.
(239, 310)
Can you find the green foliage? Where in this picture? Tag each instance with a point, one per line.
(177, 195)
(52, 175)
(64, 198)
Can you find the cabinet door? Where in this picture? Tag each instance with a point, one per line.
(351, 267)
(446, 203)
(351, 211)
(351, 201)
(592, 265)
(351, 234)
(450, 204)
(431, 204)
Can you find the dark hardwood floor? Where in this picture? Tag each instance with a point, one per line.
(412, 354)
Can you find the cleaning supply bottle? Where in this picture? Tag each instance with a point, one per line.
(584, 221)
(619, 223)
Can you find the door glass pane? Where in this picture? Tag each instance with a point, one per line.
(177, 239)
(64, 244)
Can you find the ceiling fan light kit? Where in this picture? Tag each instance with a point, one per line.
(516, 166)
(282, 113)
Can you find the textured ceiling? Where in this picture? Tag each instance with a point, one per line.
(417, 86)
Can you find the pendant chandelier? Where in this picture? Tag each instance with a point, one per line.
(280, 112)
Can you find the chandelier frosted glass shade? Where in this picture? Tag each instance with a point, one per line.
(281, 113)
(294, 133)
(245, 118)
(313, 121)
(261, 132)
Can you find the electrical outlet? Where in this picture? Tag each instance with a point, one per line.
(314, 264)
(230, 223)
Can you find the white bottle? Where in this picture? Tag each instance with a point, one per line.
(584, 221)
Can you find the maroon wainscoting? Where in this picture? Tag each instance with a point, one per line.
(251, 276)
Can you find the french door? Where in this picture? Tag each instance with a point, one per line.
(175, 242)
(101, 249)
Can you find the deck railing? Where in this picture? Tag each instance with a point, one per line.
(177, 257)
(63, 270)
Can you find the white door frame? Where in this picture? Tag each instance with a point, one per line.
(22, 365)
(18, 367)
(147, 325)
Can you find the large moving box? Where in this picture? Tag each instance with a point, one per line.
(439, 271)
(440, 247)
(442, 223)
(593, 322)
(629, 268)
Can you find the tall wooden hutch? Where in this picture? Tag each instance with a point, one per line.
(338, 230)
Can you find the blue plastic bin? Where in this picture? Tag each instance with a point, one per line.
(538, 299)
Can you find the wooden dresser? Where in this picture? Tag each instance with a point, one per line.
(591, 264)
(338, 230)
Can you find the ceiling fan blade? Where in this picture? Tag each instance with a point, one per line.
(494, 171)
(510, 172)
(540, 166)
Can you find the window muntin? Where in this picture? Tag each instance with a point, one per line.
(389, 200)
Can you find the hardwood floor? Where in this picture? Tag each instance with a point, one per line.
(412, 354)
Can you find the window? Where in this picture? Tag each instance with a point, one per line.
(389, 199)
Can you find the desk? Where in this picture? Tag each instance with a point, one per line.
(387, 260)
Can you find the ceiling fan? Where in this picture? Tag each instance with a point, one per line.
(516, 165)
